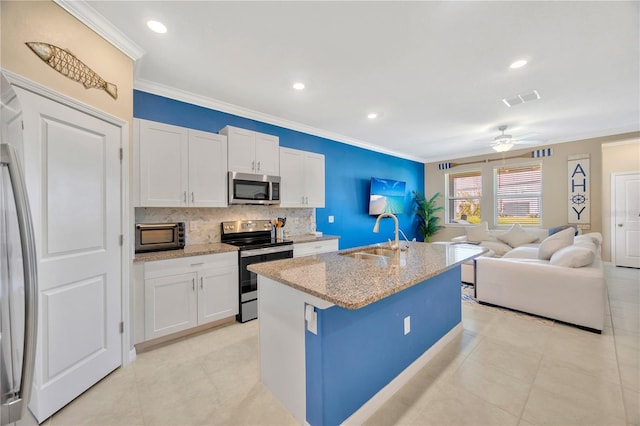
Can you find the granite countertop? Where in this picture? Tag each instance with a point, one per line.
(190, 250)
(355, 283)
(310, 238)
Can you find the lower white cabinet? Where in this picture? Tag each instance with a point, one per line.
(187, 292)
(315, 247)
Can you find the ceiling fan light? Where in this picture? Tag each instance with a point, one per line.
(502, 146)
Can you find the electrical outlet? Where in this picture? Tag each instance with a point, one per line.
(407, 325)
(331, 219)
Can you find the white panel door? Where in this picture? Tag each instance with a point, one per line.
(218, 293)
(291, 178)
(207, 169)
(314, 179)
(163, 162)
(241, 150)
(267, 154)
(72, 168)
(627, 220)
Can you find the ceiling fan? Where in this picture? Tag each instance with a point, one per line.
(505, 142)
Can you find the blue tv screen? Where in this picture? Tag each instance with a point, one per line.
(386, 196)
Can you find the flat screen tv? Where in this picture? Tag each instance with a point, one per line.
(386, 196)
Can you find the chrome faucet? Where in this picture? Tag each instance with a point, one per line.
(376, 229)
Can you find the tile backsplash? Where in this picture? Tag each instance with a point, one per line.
(203, 224)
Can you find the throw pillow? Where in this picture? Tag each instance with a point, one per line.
(555, 242)
(478, 233)
(562, 228)
(595, 237)
(517, 236)
(498, 248)
(573, 257)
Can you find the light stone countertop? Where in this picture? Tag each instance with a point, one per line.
(355, 283)
(310, 238)
(190, 250)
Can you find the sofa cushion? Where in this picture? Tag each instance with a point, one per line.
(522, 253)
(574, 256)
(496, 246)
(478, 233)
(594, 237)
(517, 236)
(555, 242)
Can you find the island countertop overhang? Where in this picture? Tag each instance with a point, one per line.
(355, 283)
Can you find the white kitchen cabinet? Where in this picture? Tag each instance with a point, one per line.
(252, 152)
(179, 167)
(187, 292)
(315, 247)
(302, 178)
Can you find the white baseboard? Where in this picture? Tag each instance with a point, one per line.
(132, 356)
(384, 394)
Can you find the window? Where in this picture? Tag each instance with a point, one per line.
(464, 191)
(518, 195)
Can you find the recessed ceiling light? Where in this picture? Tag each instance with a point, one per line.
(518, 64)
(372, 115)
(298, 86)
(157, 27)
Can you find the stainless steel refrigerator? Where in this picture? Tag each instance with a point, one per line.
(18, 280)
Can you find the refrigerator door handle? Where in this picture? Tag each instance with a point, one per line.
(18, 405)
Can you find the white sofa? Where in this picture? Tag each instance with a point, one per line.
(569, 287)
(490, 239)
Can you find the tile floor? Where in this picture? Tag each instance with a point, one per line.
(504, 369)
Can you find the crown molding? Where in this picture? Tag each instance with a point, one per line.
(86, 14)
(203, 101)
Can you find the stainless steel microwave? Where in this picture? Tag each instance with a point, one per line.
(159, 236)
(247, 188)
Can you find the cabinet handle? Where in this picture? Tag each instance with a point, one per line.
(201, 284)
(185, 197)
(306, 200)
(193, 198)
(302, 200)
(193, 284)
(253, 165)
(258, 166)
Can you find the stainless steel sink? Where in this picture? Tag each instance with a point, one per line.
(371, 253)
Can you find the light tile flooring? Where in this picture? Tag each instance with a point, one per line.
(504, 369)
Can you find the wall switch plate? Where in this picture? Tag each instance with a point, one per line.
(407, 325)
(331, 219)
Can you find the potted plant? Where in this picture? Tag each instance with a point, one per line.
(426, 210)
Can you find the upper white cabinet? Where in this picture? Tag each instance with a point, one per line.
(178, 167)
(302, 178)
(252, 152)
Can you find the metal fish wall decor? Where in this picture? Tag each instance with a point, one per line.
(68, 65)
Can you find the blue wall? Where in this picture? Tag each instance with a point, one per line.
(358, 352)
(348, 169)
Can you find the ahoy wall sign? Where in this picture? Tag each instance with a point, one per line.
(579, 186)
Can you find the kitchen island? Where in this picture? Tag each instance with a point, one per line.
(341, 332)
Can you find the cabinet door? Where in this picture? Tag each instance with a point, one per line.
(292, 178)
(207, 169)
(314, 179)
(241, 148)
(170, 304)
(267, 154)
(217, 293)
(163, 165)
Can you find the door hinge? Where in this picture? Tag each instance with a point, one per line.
(121, 327)
(121, 239)
(121, 154)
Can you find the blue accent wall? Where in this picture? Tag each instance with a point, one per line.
(348, 169)
(358, 352)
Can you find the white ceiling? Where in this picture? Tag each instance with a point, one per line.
(435, 72)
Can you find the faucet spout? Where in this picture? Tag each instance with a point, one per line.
(376, 228)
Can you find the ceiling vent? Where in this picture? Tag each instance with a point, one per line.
(522, 98)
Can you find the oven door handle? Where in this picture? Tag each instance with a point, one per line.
(266, 250)
(155, 225)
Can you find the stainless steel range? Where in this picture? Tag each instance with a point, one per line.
(257, 244)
